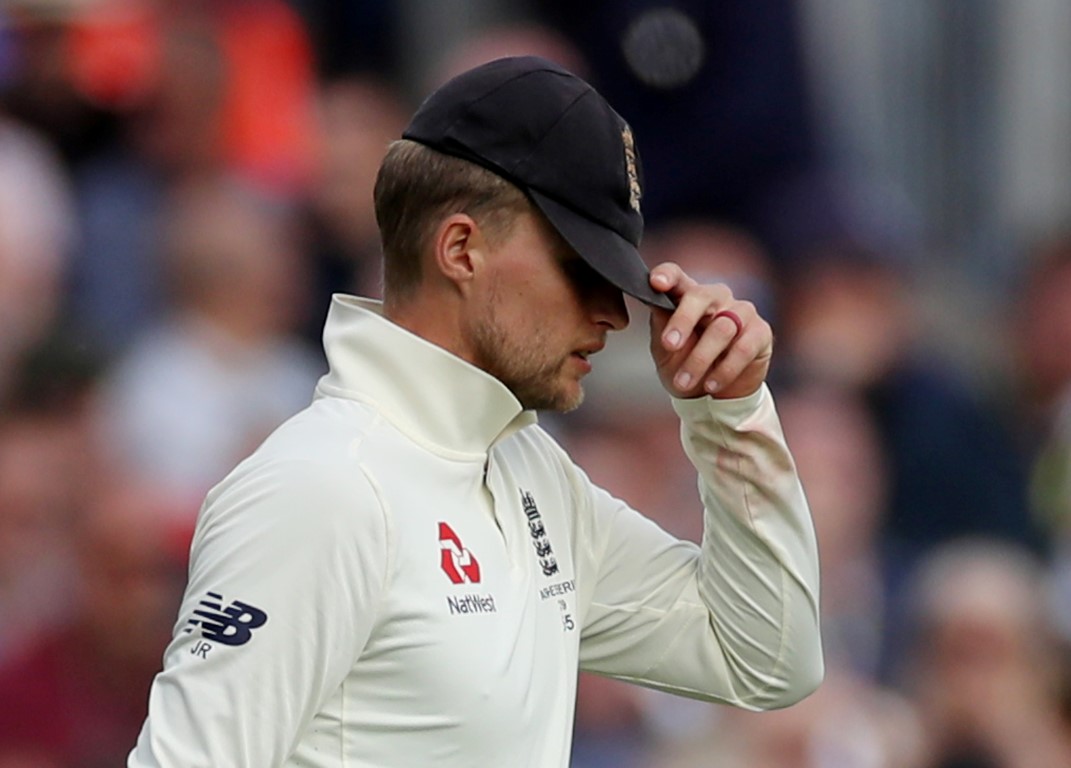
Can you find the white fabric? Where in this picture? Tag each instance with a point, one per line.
(372, 656)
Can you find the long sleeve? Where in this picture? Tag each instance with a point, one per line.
(734, 619)
(287, 568)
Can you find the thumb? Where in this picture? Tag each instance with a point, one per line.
(659, 319)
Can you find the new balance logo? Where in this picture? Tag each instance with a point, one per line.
(458, 563)
(232, 625)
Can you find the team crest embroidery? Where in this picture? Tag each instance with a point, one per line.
(631, 169)
(539, 535)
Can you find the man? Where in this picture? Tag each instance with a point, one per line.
(410, 572)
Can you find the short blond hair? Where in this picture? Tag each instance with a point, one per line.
(416, 188)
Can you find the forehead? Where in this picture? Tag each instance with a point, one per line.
(540, 226)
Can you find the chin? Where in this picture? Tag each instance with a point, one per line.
(568, 402)
(561, 401)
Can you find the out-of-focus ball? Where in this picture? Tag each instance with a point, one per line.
(664, 48)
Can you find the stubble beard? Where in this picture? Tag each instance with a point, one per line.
(534, 380)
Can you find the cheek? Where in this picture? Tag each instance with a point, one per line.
(534, 312)
(548, 332)
(522, 318)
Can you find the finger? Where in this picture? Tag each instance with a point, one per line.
(695, 310)
(716, 341)
(749, 353)
(732, 317)
(670, 279)
(663, 278)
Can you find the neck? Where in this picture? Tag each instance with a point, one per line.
(433, 317)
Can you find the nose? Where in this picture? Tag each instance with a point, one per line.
(607, 306)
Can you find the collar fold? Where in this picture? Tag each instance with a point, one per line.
(428, 393)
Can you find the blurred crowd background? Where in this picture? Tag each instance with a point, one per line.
(183, 184)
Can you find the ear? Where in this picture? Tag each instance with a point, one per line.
(459, 249)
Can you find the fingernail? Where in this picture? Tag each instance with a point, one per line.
(712, 386)
(683, 380)
(673, 338)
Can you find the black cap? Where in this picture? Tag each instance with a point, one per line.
(552, 135)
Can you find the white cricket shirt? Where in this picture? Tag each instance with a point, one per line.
(411, 571)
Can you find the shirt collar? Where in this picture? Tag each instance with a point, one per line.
(428, 393)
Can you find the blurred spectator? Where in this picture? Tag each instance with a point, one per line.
(359, 117)
(75, 696)
(172, 132)
(954, 465)
(846, 723)
(501, 40)
(1042, 334)
(357, 37)
(37, 231)
(982, 666)
(117, 57)
(34, 529)
(609, 729)
(849, 317)
(197, 391)
(40, 88)
(229, 89)
(268, 113)
(837, 448)
(46, 462)
(1040, 328)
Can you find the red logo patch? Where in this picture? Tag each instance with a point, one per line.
(458, 563)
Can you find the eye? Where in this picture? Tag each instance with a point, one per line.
(581, 275)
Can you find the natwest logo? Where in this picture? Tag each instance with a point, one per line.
(458, 563)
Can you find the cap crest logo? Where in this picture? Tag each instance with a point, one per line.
(634, 191)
